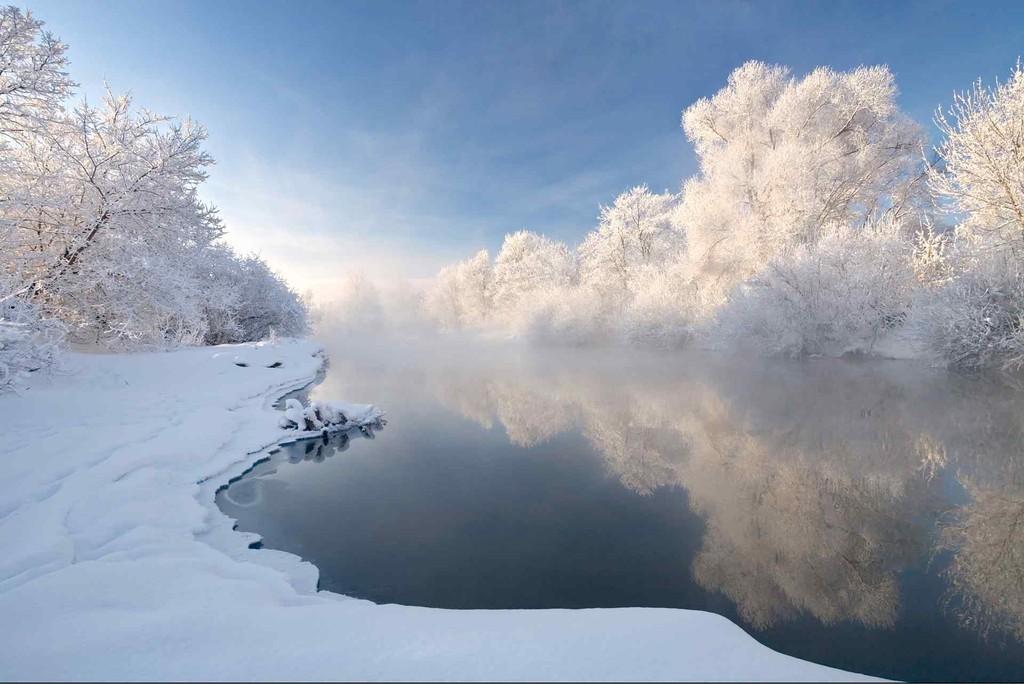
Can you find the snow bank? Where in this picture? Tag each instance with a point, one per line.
(117, 565)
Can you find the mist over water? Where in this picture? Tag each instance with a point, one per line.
(861, 514)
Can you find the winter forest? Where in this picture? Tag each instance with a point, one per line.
(104, 240)
(822, 221)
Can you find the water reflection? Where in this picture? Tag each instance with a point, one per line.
(987, 539)
(317, 450)
(247, 491)
(819, 483)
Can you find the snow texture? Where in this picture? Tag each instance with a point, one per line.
(117, 565)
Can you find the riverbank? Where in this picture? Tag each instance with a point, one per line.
(117, 565)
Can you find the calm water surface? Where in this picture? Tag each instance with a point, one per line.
(868, 516)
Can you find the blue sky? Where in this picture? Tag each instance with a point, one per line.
(392, 137)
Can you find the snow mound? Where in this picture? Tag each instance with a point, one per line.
(322, 417)
(322, 414)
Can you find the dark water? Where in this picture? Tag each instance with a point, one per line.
(868, 516)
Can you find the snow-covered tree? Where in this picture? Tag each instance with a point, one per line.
(33, 86)
(28, 342)
(837, 295)
(461, 294)
(106, 235)
(529, 264)
(975, 319)
(266, 304)
(220, 275)
(972, 313)
(575, 316)
(664, 309)
(635, 232)
(781, 158)
(33, 80)
(981, 174)
(101, 226)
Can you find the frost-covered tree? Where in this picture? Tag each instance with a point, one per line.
(837, 295)
(28, 342)
(981, 174)
(461, 295)
(634, 233)
(220, 275)
(663, 310)
(529, 264)
(267, 304)
(110, 236)
(575, 316)
(781, 158)
(33, 80)
(972, 314)
(33, 86)
(975, 319)
(246, 300)
(113, 230)
(101, 226)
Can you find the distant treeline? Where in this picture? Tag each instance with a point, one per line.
(817, 224)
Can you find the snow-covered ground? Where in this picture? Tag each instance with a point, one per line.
(115, 563)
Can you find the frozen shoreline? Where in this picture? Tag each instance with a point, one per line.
(117, 563)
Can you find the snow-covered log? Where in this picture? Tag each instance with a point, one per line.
(319, 418)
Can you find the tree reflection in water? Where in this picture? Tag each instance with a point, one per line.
(819, 482)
